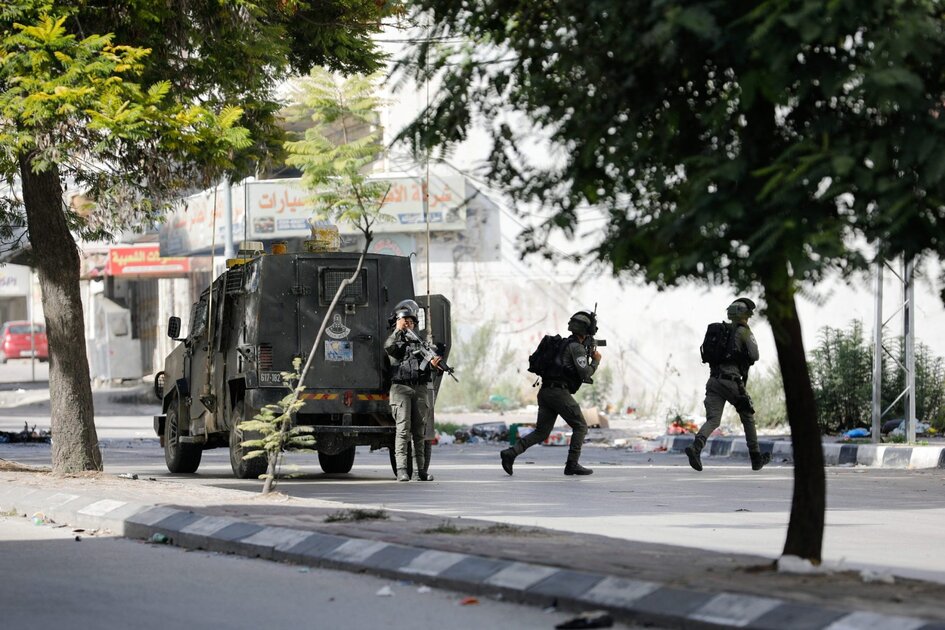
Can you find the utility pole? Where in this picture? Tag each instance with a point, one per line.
(878, 353)
(908, 339)
(907, 395)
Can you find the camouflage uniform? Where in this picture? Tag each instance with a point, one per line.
(726, 384)
(409, 400)
(555, 399)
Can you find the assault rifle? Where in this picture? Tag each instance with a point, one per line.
(591, 344)
(427, 352)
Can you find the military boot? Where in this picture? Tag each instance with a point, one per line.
(574, 468)
(694, 453)
(508, 459)
(402, 475)
(758, 460)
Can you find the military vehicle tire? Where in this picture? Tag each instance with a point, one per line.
(180, 457)
(244, 468)
(338, 463)
(393, 459)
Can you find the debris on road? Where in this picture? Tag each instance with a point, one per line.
(385, 591)
(127, 476)
(159, 539)
(27, 435)
(590, 619)
(469, 601)
(483, 432)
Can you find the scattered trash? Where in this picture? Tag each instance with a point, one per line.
(39, 518)
(591, 619)
(482, 431)
(159, 539)
(680, 425)
(78, 530)
(882, 577)
(558, 438)
(469, 601)
(304, 570)
(78, 538)
(127, 476)
(743, 510)
(424, 589)
(385, 592)
(796, 564)
(550, 609)
(26, 435)
(856, 433)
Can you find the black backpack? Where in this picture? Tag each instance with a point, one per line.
(719, 343)
(547, 356)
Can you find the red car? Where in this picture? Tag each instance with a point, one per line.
(15, 341)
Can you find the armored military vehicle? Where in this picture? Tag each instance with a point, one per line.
(247, 328)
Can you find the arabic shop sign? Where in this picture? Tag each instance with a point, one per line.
(14, 280)
(143, 260)
(280, 209)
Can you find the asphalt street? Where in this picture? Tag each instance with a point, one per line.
(53, 580)
(883, 520)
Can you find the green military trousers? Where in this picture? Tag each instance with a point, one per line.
(409, 405)
(554, 402)
(717, 393)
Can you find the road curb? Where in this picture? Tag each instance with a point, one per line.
(835, 454)
(632, 600)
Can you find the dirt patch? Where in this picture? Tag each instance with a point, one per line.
(8, 466)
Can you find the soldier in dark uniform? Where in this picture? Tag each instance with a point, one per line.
(555, 396)
(409, 396)
(727, 384)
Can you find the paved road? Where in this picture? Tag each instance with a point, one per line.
(882, 519)
(103, 583)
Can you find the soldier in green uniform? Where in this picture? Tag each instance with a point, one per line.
(409, 395)
(726, 383)
(555, 398)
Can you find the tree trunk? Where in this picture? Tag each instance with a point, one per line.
(806, 528)
(56, 257)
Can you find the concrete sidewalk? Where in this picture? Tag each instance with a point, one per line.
(835, 454)
(638, 582)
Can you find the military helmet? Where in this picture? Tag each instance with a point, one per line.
(740, 309)
(406, 308)
(583, 323)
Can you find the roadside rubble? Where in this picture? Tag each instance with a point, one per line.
(27, 435)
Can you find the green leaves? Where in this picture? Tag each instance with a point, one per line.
(338, 148)
(787, 109)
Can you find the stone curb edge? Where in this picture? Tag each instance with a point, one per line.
(873, 455)
(631, 600)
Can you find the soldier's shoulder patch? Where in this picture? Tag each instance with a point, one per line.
(581, 361)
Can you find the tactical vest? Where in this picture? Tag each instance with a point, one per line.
(407, 371)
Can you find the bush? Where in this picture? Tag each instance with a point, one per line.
(598, 394)
(767, 393)
(841, 373)
(841, 369)
(484, 368)
(929, 384)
